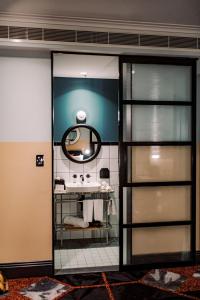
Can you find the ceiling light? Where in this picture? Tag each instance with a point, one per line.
(81, 116)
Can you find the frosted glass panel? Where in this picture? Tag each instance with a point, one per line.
(161, 82)
(156, 163)
(157, 123)
(127, 81)
(157, 204)
(158, 82)
(159, 240)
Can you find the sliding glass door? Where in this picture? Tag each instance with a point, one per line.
(157, 160)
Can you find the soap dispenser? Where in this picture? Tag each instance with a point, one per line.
(104, 173)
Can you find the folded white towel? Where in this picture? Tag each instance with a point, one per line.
(112, 209)
(93, 208)
(88, 207)
(98, 210)
(75, 221)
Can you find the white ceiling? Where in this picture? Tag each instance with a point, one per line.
(96, 66)
(184, 12)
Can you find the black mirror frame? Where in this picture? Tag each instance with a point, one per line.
(67, 153)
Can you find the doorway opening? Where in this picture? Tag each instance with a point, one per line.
(86, 168)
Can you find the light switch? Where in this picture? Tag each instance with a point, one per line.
(39, 160)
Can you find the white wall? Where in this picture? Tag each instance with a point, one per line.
(25, 99)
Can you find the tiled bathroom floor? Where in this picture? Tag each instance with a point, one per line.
(86, 258)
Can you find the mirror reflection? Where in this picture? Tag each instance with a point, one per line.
(81, 143)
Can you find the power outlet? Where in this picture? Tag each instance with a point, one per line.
(39, 160)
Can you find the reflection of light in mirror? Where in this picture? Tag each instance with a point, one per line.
(155, 156)
(87, 151)
(133, 71)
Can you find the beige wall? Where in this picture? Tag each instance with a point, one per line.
(25, 206)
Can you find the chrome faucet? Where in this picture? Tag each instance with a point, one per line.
(82, 178)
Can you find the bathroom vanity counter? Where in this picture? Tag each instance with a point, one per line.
(61, 198)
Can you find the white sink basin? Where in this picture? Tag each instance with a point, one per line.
(83, 187)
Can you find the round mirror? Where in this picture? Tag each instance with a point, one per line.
(81, 143)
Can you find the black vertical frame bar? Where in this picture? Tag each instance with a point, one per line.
(122, 165)
(124, 147)
(193, 160)
(123, 174)
(52, 164)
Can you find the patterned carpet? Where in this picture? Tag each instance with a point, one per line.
(170, 284)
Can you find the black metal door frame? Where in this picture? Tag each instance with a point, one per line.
(123, 146)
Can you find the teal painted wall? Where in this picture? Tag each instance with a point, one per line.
(97, 97)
